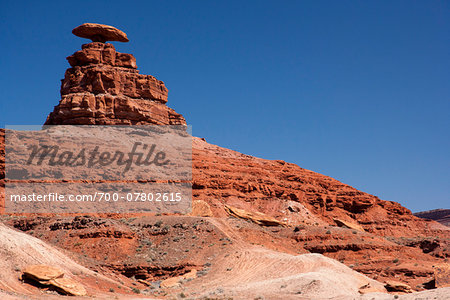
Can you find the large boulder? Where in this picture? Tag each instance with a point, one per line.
(41, 273)
(68, 286)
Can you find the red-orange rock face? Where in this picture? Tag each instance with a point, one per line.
(222, 176)
(104, 87)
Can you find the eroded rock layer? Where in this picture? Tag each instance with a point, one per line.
(104, 87)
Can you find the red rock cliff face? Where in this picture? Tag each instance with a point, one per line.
(104, 87)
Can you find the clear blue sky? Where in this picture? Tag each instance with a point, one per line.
(357, 90)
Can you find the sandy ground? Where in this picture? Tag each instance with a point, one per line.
(18, 250)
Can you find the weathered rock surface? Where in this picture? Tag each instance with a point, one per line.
(442, 275)
(100, 33)
(104, 87)
(347, 224)
(68, 286)
(256, 217)
(174, 281)
(386, 242)
(395, 286)
(201, 209)
(54, 278)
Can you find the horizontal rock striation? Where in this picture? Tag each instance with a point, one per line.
(104, 87)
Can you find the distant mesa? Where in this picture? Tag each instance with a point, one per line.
(100, 33)
(439, 215)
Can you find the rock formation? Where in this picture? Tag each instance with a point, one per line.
(48, 276)
(104, 87)
(100, 33)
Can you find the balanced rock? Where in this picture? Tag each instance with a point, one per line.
(100, 33)
(104, 87)
(68, 286)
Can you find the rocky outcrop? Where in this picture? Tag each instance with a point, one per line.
(48, 276)
(255, 217)
(201, 209)
(442, 275)
(395, 286)
(41, 273)
(104, 87)
(100, 33)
